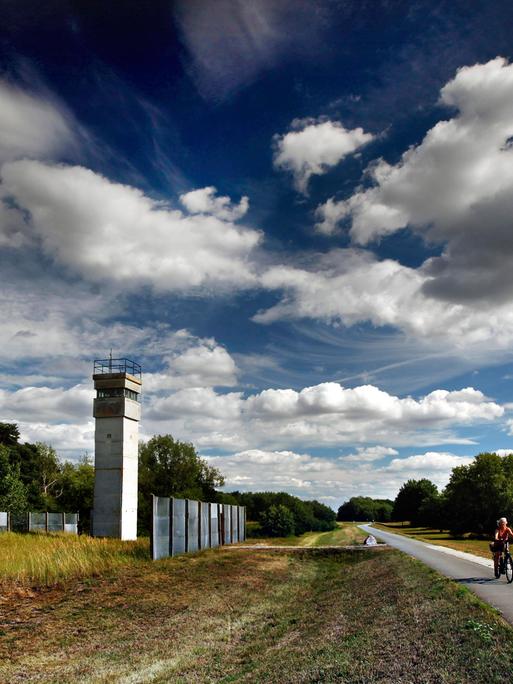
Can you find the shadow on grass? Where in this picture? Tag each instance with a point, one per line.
(476, 580)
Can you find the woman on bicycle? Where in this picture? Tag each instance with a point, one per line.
(502, 534)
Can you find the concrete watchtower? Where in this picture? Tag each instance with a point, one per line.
(117, 411)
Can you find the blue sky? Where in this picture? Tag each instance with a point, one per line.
(295, 215)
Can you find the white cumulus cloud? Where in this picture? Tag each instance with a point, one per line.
(316, 147)
(205, 201)
(351, 286)
(110, 232)
(455, 189)
(322, 415)
(31, 126)
(330, 480)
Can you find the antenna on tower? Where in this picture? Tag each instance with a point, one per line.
(110, 361)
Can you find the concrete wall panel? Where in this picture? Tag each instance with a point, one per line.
(178, 524)
(55, 522)
(181, 525)
(242, 523)
(160, 536)
(227, 524)
(204, 525)
(71, 523)
(37, 522)
(192, 525)
(214, 525)
(235, 524)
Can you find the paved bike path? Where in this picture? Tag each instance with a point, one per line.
(473, 572)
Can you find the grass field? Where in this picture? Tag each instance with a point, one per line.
(38, 560)
(479, 547)
(239, 616)
(345, 534)
(44, 559)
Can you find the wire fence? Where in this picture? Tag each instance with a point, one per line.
(37, 521)
(184, 526)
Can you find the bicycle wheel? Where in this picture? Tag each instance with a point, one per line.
(509, 569)
(496, 568)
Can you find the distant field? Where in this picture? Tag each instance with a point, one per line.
(465, 543)
(345, 534)
(231, 616)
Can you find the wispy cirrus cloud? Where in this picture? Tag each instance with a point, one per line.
(230, 42)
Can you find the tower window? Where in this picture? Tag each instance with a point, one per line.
(117, 392)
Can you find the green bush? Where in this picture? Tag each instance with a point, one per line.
(277, 521)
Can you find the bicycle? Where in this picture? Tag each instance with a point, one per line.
(504, 564)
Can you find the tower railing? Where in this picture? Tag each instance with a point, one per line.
(104, 366)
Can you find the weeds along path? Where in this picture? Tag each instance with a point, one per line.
(222, 616)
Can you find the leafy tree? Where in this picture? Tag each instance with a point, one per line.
(28, 461)
(277, 521)
(365, 508)
(307, 515)
(75, 490)
(410, 498)
(49, 469)
(168, 467)
(479, 493)
(9, 434)
(383, 510)
(432, 511)
(13, 494)
(225, 498)
(322, 512)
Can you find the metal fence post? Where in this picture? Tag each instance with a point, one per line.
(186, 525)
(152, 526)
(171, 530)
(199, 525)
(209, 525)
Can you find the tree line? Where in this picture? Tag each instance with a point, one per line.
(279, 514)
(365, 508)
(474, 498)
(32, 477)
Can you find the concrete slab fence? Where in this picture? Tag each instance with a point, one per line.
(38, 521)
(185, 526)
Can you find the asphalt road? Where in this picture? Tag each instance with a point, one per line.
(473, 572)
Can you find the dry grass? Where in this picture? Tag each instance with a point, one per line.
(45, 559)
(466, 543)
(222, 616)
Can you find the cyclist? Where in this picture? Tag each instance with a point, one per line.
(502, 534)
